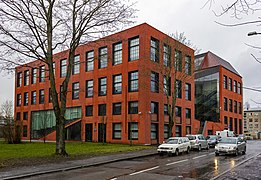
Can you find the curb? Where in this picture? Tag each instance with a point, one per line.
(27, 175)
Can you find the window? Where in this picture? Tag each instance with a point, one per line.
(235, 106)
(18, 116)
(225, 104)
(103, 57)
(154, 50)
(240, 107)
(188, 65)
(75, 90)
(178, 131)
(116, 109)
(178, 111)
(26, 78)
(225, 119)
(166, 55)
(166, 111)
(188, 129)
(133, 131)
(178, 60)
(239, 88)
(42, 74)
(178, 89)
(33, 97)
(34, 75)
(25, 131)
(26, 98)
(50, 96)
(89, 61)
(231, 124)
(230, 84)
(102, 110)
(102, 86)
(117, 84)
(225, 82)
(167, 85)
(18, 100)
(25, 116)
(19, 79)
(133, 81)
(154, 131)
(154, 82)
(166, 131)
(235, 86)
(230, 105)
(117, 53)
(41, 96)
(133, 107)
(134, 49)
(63, 68)
(188, 113)
(89, 110)
(154, 107)
(76, 65)
(116, 130)
(89, 88)
(188, 91)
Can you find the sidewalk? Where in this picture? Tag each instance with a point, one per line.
(27, 171)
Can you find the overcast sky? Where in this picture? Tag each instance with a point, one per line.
(200, 27)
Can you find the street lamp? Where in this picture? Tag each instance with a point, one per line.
(253, 33)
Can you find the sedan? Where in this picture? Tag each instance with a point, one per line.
(230, 145)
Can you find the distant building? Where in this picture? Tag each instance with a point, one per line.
(252, 122)
(218, 94)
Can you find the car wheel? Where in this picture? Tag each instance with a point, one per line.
(188, 150)
(161, 154)
(177, 152)
(199, 148)
(236, 153)
(216, 153)
(244, 152)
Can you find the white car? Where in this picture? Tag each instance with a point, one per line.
(175, 145)
(230, 145)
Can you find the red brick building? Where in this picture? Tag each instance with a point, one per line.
(116, 91)
(218, 94)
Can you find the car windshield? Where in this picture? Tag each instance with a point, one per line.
(212, 137)
(172, 141)
(228, 141)
(191, 137)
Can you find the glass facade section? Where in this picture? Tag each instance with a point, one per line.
(207, 95)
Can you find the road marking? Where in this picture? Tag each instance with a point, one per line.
(177, 162)
(199, 156)
(211, 153)
(145, 170)
(113, 179)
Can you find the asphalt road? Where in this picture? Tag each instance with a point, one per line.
(195, 165)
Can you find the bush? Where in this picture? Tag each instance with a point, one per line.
(12, 133)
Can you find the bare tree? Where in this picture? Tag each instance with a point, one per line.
(35, 29)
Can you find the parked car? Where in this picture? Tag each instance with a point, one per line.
(175, 145)
(230, 145)
(243, 137)
(198, 142)
(213, 140)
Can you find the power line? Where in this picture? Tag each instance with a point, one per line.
(252, 89)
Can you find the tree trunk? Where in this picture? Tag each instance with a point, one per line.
(60, 138)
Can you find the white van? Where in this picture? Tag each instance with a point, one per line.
(225, 133)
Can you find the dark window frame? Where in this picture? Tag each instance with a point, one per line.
(102, 87)
(102, 110)
(89, 65)
(117, 53)
(134, 48)
(133, 109)
(154, 50)
(103, 57)
(133, 81)
(116, 110)
(76, 64)
(89, 88)
(154, 82)
(117, 84)
(75, 90)
(89, 110)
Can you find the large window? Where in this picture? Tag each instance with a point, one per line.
(26, 78)
(225, 82)
(166, 55)
(154, 50)
(26, 98)
(167, 85)
(117, 53)
(154, 107)
(235, 86)
(42, 74)
(154, 131)
(89, 110)
(178, 60)
(235, 106)
(225, 120)
(117, 84)
(89, 88)
(240, 107)
(230, 105)
(188, 65)
(75, 90)
(239, 88)
(89, 61)
(102, 86)
(25, 131)
(133, 107)
(76, 65)
(178, 89)
(178, 111)
(133, 131)
(133, 49)
(188, 91)
(19, 79)
(103, 57)
(188, 113)
(154, 82)
(25, 116)
(133, 81)
(41, 96)
(102, 110)
(18, 116)
(166, 131)
(116, 130)
(18, 100)
(34, 75)
(116, 108)
(63, 68)
(231, 124)
(225, 104)
(230, 84)
(178, 131)
(166, 111)
(33, 97)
